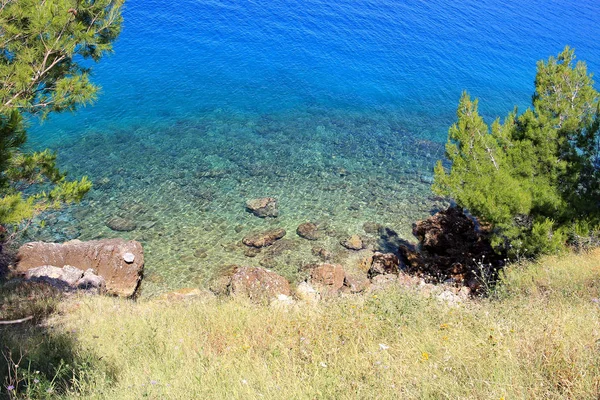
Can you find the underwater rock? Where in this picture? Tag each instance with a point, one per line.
(384, 263)
(258, 284)
(252, 251)
(322, 253)
(263, 207)
(354, 242)
(328, 277)
(105, 257)
(121, 224)
(372, 228)
(263, 239)
(309, 231)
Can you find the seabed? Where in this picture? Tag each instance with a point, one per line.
(185, 187)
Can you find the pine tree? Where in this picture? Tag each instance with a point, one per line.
(533, 177)
(44, 48)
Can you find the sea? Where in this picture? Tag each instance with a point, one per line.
(339, 109)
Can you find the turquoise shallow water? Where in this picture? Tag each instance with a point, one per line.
(337, 108)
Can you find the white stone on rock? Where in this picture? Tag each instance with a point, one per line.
(128, 258)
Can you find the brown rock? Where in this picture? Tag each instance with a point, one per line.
(263, 207)
(121, 224)
(263, 239)
(309, 231)
(106, 257)
(384, 263)
(258, 284)
(357, 283)
(354, 242)
(329, 277)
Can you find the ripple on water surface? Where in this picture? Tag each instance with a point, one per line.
(184, 188)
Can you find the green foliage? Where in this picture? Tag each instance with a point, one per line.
(43, 50)
(534, 176)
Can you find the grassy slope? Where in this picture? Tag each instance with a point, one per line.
(537, 338)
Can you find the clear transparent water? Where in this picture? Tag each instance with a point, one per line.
(339, 109)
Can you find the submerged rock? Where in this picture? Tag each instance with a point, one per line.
(372, 228)
(263, 207)
(309, 231)
(322, 253)
(263, 239)
(354, 242)
(121, 224)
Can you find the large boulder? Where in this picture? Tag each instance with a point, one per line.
(263, 207)
(258, 284)
(119, 262)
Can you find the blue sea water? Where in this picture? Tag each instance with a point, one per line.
(337, 108)
(175, 60)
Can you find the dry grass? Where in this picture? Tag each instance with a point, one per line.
(537, 337)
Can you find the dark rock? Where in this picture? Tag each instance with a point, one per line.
(262, 239)
(322, 253)
(121, 224)
(384, 263)
(372, 228)
(309, 231)
(106, 257)
(258, 284)
(263, 207)
(453, 246)
(252, 251)
(354, 242)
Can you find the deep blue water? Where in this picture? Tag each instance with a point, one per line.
(176, 60)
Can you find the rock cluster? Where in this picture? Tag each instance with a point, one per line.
(452, 246)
